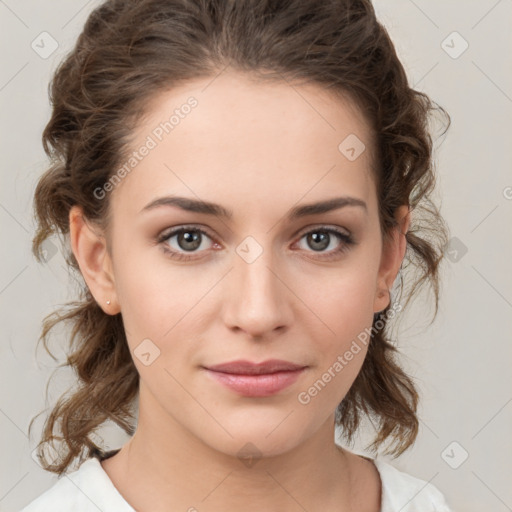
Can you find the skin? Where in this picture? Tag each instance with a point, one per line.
(243, 145)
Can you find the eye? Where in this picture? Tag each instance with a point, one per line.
(323, 237)
(188, 239)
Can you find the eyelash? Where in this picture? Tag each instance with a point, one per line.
(347, 240)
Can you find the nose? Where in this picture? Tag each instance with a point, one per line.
(259, 300)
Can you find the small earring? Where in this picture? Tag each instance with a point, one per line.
(108, 302)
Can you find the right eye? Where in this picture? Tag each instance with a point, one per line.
(188, 239)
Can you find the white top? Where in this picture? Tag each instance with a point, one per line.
(89, 489)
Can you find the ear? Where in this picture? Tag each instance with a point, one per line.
(393, 252)
(90, 249)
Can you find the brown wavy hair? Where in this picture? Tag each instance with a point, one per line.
(130, 50)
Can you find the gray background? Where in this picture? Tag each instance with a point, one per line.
(461, 362)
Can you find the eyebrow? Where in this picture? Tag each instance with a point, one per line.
(208, 208)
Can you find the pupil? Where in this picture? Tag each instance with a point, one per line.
(190, 239)
(319, 238)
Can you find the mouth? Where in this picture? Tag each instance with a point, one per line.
(256, 379)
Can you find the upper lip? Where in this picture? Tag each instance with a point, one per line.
(242, 367)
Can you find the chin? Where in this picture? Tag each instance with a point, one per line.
(257, 439)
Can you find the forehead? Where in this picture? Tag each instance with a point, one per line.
(234, 137)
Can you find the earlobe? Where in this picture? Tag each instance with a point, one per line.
(90, 249)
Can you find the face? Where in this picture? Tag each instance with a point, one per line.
(258, 283)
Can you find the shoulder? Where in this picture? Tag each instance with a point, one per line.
(87, 489)
(404, 492)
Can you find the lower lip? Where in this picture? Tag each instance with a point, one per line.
(257, 385)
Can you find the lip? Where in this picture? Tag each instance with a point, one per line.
(243, 367)
(256, 379)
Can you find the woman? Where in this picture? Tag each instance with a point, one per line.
(237, 184)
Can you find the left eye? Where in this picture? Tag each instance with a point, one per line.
(321, 239)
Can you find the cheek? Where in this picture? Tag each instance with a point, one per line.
(341, 332)
(340, 302)
(339, 356)
(155, 295)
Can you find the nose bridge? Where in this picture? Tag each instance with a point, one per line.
(258, 299)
